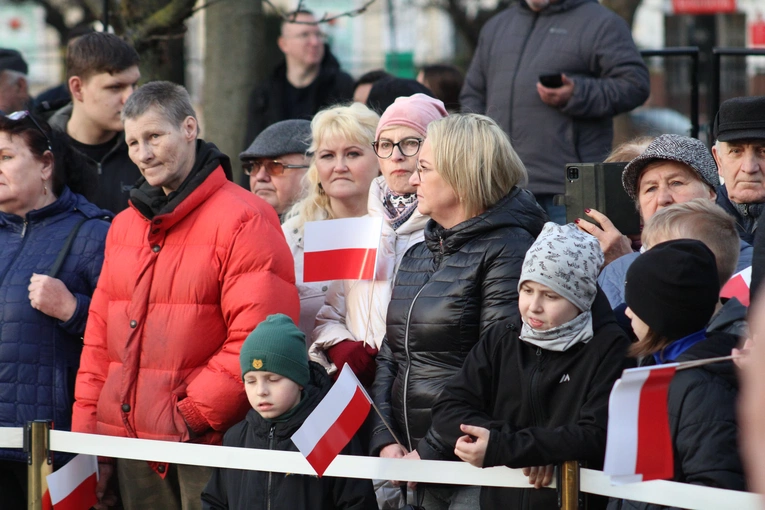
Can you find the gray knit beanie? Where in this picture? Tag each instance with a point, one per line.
(566, 260)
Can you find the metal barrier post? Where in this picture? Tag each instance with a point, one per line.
(693, 53)
(39, 463)
(568, 485)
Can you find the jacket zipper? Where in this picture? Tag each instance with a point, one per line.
(270, 447)
(517, 67)
(534, 400)
(18, 252)
(408, 367)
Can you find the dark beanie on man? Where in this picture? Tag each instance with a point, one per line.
(276, 345)
(674, 287)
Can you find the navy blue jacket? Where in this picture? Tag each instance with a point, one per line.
(39, 355)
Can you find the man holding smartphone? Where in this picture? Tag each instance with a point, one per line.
(600, 73)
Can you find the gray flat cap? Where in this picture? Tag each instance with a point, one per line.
(285, 137)
(682, 149)
(12, 60)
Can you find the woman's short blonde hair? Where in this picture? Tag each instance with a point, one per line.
(354, 123)
(474, 156)
(629, 150)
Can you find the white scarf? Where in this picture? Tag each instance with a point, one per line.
(560, 338)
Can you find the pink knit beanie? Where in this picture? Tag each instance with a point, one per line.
(415, 111)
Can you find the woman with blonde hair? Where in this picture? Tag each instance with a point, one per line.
(456, 288)
(343, 165)
(351, 324)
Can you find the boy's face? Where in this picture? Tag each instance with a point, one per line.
(270, 394)
(543, 309)
(103, 95)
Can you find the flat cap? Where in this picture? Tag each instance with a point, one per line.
(286, 137)
(681, 149)
(11, 60)
(740, 118)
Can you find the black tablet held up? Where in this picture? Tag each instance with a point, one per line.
(599, 186)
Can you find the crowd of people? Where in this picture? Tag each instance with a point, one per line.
(144, 294)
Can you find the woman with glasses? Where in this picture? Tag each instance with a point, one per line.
(351, 324)
(342, 167)
(51, 251)
(456, 288)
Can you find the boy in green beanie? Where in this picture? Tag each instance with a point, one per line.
(283, 388)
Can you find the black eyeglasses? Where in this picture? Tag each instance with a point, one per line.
(273, 167)
(408, 146)
(24, 114)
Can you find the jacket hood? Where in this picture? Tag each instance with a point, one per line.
(556, 8)
(517, 209)
(732, 311)
(59, 119)
(151, 201)
(717, 344)
(317, 389)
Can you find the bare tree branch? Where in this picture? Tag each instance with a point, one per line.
(290, 17)
(168, 19)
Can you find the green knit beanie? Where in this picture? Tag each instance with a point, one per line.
(276, 345)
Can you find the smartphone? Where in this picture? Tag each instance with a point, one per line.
(599, 186)
(551, 81)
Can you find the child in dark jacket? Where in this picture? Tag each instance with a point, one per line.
(283, 389)
(538, 398)
(671, 291)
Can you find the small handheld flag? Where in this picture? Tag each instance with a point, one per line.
(344, 249)
(334, 422)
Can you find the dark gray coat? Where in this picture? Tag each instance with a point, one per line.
(591, 45)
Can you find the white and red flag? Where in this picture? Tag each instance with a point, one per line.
(639, 445)
(334, 422)
(738, 286)
(344, 249)
(73, 487)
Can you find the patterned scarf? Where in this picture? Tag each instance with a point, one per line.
(399, 207)
(560, 338)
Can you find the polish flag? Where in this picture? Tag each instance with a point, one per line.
(334, 422)
(344, 249)
(639, 446)
(73, 487)
(738, 286)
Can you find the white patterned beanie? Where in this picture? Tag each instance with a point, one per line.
(567, 261)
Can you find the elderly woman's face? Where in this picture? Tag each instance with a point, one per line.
(435, 197)
(398, 168)
(346, 169)
(666, 183)
(22, 176)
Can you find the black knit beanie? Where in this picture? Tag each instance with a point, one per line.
(277, 346)
(674, 287)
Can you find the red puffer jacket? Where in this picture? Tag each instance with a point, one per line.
(177, 296)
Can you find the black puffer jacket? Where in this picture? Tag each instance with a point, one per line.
(450, 291)
(239, 489)
(702, 421)
(542, 407)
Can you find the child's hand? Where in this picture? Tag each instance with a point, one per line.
(539, 476)
(472, 449)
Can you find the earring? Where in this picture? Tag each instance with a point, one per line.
(45, 189)
(321, 189)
